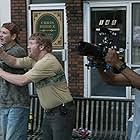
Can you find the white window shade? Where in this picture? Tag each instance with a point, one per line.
(5, 11)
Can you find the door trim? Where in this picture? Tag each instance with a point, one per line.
(86, 26)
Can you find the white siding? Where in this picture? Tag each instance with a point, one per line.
(5, 11)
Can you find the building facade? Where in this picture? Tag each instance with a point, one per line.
(71, 21)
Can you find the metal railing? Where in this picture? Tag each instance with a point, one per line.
(107, 118)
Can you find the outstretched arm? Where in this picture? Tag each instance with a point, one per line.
(113, 79)
(16, 79)
(129, 75)
(9, 59)
(109, 76)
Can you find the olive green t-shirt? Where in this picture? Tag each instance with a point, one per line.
(49, 79)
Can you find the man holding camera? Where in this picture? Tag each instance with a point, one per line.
(125, 77)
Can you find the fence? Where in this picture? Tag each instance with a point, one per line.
(107, 118)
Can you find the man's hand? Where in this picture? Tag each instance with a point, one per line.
(112, 58)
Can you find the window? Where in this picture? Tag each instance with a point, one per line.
(45, 1)
(136, 34)
(113, 18)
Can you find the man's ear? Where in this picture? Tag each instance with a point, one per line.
(14, 36)
(41, 47)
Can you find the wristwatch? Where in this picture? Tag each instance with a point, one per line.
(122, 67)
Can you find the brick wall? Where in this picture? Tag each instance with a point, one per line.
(19, 16)
(75, 33)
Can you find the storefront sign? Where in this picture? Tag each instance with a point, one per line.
(50, 22)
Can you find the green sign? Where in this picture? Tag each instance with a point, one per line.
(49, 24)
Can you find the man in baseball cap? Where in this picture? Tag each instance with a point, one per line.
(13, 29)
(14, 100)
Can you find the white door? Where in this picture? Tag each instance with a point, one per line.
(110, 15)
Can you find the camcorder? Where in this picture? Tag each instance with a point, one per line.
(96, 53)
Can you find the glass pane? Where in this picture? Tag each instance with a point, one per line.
(134, 91)
(46, 1)
(100, 88)
(113, 19)
(136, 35)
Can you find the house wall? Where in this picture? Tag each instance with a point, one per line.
(74, 9)
(19, 16)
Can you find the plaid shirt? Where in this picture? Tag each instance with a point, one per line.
(10, 94)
